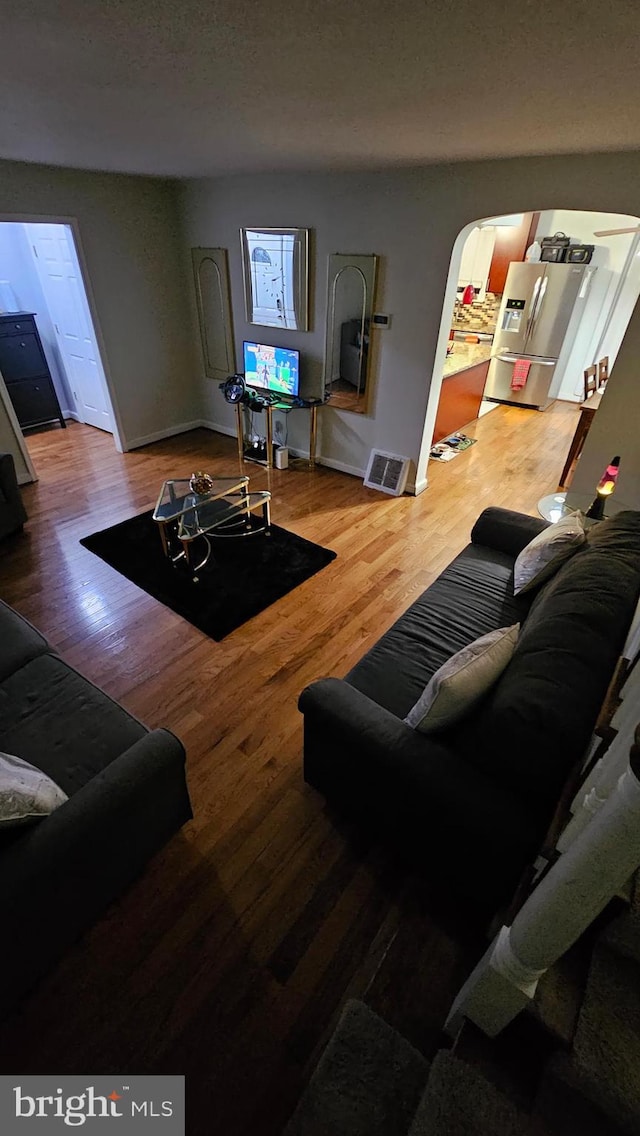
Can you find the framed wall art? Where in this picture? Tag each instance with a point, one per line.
(276, 277)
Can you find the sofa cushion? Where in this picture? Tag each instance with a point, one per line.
(617, 535)
(542, 557)
(61, 723)
(26, 793)
(460, 683)
(20, 641)
(539, 718)
(472, 596)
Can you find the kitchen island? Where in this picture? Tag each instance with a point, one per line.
(463, 378)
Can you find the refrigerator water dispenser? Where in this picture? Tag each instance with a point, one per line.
(512, 315)
(511, 321)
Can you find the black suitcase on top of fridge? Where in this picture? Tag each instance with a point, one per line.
(554, 248)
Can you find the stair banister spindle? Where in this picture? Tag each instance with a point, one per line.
(576, 889)
(597, 786)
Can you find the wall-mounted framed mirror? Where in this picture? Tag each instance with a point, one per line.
(276, 277)
(350, 306)
(213, 298)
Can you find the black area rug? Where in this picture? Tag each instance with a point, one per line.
(242, 578)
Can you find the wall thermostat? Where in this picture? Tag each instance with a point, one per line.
(380, 320)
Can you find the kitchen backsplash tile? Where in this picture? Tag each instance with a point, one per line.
(479, 316)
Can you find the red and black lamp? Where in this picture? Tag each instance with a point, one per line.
(604, 489)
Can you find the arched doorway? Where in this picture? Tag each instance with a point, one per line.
(613, 287)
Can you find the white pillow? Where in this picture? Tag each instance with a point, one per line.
(26, 793)
(547, 551)
(463, 681)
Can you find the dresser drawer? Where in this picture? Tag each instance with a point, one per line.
(16, 325)
(21, 357)
(34, 400)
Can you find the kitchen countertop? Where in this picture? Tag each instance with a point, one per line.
(465, 355)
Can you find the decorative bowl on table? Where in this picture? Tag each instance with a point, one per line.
(200, 483)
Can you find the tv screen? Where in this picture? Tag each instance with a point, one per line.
(272, 368)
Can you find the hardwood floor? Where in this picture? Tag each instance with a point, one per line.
(230, 959)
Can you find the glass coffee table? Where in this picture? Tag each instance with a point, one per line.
(184, 517)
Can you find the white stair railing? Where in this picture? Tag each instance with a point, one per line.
(595, 866)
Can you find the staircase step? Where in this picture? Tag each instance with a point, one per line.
(623, 936)
(559, 995)
(560, 991)
(606, 1049)
(459, 1101)
(563, 1107)
(367, 1083)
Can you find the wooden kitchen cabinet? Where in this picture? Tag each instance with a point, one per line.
(511, 243)
(460, 399)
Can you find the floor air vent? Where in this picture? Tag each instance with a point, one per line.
(387, 472)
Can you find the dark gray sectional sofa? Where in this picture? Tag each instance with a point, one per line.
(127, 795)
(471, 806)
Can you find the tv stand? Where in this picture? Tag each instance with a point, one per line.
(268, 408)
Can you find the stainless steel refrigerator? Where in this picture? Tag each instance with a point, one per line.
(542, 305)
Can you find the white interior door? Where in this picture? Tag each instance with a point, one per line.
(59, 272)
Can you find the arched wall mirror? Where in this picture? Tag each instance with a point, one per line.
(211, 278)
(350, 306)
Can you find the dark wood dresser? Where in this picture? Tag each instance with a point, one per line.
(25, 371)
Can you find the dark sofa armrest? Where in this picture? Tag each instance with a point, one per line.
(12, 511)
(505, 530)
(360, 754)
(58, 876)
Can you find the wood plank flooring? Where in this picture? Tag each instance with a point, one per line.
(230, 959)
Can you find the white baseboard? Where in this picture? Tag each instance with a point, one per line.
(296, 451)
(342, 467)
(182, 428)
(218, 428)
(418, 486)
(145, 440)
(230, 431)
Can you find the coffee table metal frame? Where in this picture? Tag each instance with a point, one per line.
(183, 516)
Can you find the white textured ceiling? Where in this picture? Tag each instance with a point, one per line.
(189, 88)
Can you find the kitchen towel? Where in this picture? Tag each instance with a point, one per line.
(520, 374)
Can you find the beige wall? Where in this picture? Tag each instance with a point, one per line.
(137, 259)
(615, 430)
(411, 218)
(378, 213)
(613, 259)
(129, 229)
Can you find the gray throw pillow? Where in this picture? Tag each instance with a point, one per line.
(543, 555)
(26, 793)
(461, 683)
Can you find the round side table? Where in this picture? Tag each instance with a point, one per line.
(553, 507)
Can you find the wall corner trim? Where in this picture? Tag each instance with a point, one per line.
(418, 486)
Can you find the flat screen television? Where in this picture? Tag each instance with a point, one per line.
(273, 369)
